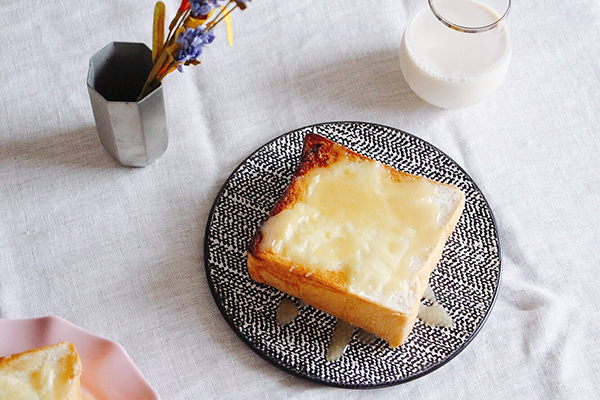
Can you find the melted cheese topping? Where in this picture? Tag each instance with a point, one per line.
(42, 374)
(355, 218)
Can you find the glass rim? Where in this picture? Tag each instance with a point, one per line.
(468, 29)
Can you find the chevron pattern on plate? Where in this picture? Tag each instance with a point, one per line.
(465, 281)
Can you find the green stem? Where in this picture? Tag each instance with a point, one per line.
(151, 82)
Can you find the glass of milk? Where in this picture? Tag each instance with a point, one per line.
(455, 53)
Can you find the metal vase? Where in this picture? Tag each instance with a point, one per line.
(133, 132)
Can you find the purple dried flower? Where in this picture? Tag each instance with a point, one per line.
(191, 43)
(201, 7)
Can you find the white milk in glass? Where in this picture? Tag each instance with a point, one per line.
(449, 68)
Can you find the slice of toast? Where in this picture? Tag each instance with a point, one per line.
(48, 373)
(355, 238)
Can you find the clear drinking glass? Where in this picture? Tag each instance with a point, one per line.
(455, 53)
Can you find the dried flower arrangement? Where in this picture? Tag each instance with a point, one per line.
(189, 32)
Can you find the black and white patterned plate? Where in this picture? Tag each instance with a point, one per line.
(465, 281)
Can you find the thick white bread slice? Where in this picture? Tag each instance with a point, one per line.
(355, 238)
(47, 373)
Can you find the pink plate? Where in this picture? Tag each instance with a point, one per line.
(108, 372)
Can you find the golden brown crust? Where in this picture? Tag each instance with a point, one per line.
(327, 290)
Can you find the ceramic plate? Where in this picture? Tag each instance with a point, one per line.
(465, 281)
(108, 372)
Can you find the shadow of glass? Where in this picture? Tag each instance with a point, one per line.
(372, 81)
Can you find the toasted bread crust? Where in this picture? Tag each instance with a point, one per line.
(73, 366)
(328, 290)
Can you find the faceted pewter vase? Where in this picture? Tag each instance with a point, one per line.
(133, 132)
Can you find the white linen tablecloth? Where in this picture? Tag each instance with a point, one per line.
(119, 251)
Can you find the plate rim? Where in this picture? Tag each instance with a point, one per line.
(311, 377)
